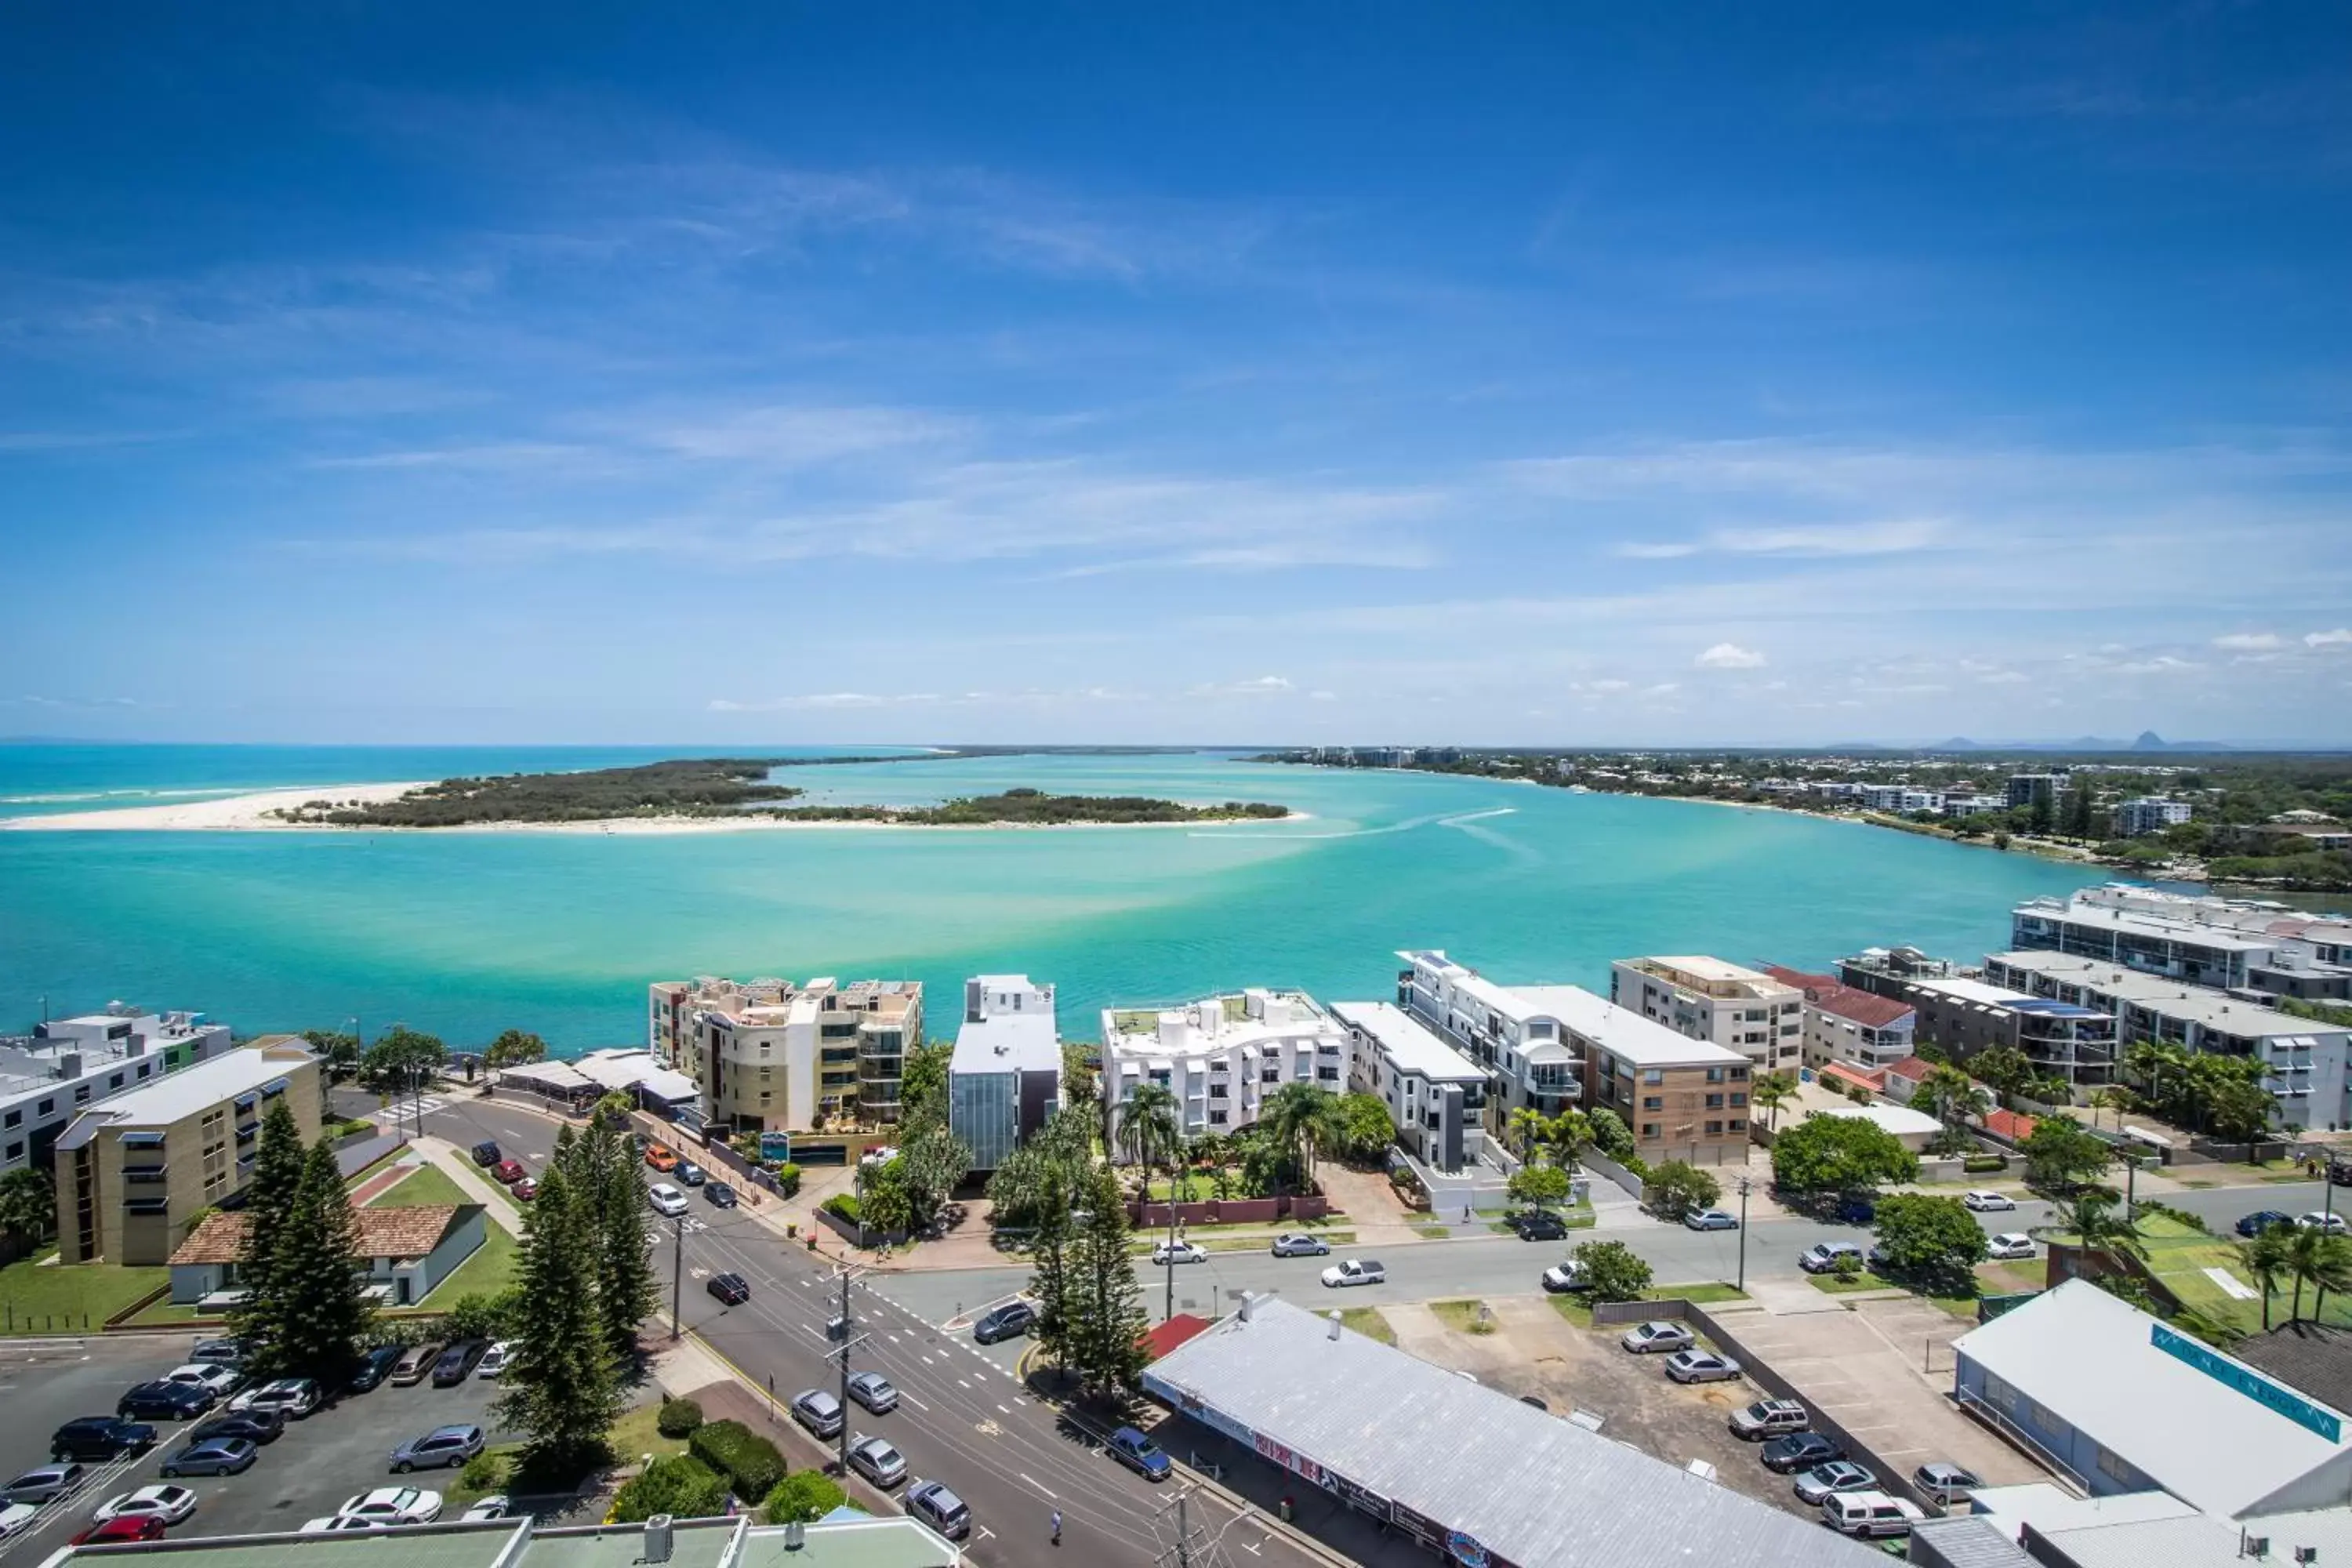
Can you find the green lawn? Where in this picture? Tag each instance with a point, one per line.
(490, 1270)
(425, 1185)
(2179, 1254)
(1368, 1322)
(1699, 1294)
(1575, 1308)
(1209, 1236)
(1433, 1232)
(59, 1297)
(1464, 1317)
(1865, 1280)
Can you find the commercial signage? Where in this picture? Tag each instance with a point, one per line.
(1198, 1409)
(2259, 1389)
(775, 1146)
(1463, 1547)
(1421, 1527)
(1356, 1497)
(1291, 1460)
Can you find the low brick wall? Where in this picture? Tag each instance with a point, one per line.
(1231, 1211)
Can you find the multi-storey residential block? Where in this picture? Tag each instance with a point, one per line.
(132, 1170)
(1435, 1095)
(2144, 815)
(2024, 789)
(770, 1055)
(49, 1076)
(1741, 1009)
(1901, 798)
(1964, 1015)
(1850, 1026)
(2237, 944)
(1530, 1060)
(1004, 1081)
(2306, 1061)
(1221, 1057)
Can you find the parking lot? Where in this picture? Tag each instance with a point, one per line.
(309, 1470)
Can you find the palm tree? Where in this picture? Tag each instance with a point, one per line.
(2091, 1216)
(1770, 1092)
(1294, 1118)
(1526, 1129)
(1150, 1130)
(2265, 1259)
(1569, 1134)
(2112, 1098)
(2323, 1260)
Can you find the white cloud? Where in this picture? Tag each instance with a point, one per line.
(1821, 541)
(2161, 664)
(822, 699)
(1729, 655)
(2340, 637)
(2247, 642)
(1261, 686)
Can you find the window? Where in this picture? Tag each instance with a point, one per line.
(1654, 1075)
(1738, 1099)
(1715, 1074)
(1217, 1091)
(114, 1082)
(1649, 1130)
(1216, 1119)
(2116, 1469)
(1999, 1393)
(15, 1119)
(81, 1093)
(1715, 1129)
(1738, 1124)
(1653, 1102)
(17, 1150)
(1715, 1102)
(48, 1107)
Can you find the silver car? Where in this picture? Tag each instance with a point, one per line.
(1299, 1244)
(1837, 1476)
(1659, 1334)
(875, 1392)
(818, 1411)
(1701, 1366)
(42, 1483)
(878, 1461)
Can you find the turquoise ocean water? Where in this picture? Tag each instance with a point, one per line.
(472, 934)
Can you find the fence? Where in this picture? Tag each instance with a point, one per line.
(1614, 1171)
(1231, 1211)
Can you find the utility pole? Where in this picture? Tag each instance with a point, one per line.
(849, 1341)
(677, 1273)
(1171, 1311)
(1192, 1548)
(1741, 1284)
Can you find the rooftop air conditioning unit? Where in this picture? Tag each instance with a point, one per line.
(658, 1538)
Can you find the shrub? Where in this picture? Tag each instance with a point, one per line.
(806, 1496)
(842, 1204)
(678, 1418)
(1980, 1164)
(482, 1473)
(2193, 1222)
(788, 1179)
(680, 1486)
(740, 1454)
(479, 1317)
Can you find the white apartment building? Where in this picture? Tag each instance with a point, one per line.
(2230, 944)
(2146, 814)
(1682, 1098)
(1221, 1057)
(1901, 798)
(1435, 1095)
(770, 1055)
(1004, 1081)
(1530, 1059)
(67, 1063)
(1728, 1004)
(1973, 805)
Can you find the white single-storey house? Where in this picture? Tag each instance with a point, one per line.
(406, 1251)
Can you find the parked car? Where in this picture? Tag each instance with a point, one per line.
(935, 1506)
(1794, 1451)
(497, 1505)
(2261, 1220)
(1179, 1252)
(525, 1190)
(486, 1154)
(731, 1289)
(295, 1398)
(1299, 1244)
(1855, 1209)
(878, 1461)
(131, 1527)
(1004, 1323)
(818, 1411)
(91, 1439)
(374, 1367)
(456, 1362)
(494, 1359)
(1658, 1334)
(1139, 1453)
(393, 1505)
(661, 1157)
(691, 1175)
(220, 1381)
(1771, 1418)
(443, 1447)
(212, 1457)
(875, 1392)
(1355, 1271)
(1946, 1482)
(170, 1504)
(508, 1172)
(1701, 1366)
(43, 1482)
(162, 1401)
(336, 1524)
(666, 1199)
(220, 1352)
(1985, 1202)
(2319, 1219)
(1566, 1275)
(1711, 1219)
(719, 1196)
(1822, 1257)
(1539, 1225)
(1870, 1513)
(415, 1364)
(2010, 1243)
(253, 1426)
(15, 1517)
(1837, 1476)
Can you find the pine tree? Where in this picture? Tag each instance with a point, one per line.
(1107, 1316)
(627, 1288)
(269, 1200)
(561, 1387)
(318, 1311)
(1049, 1281)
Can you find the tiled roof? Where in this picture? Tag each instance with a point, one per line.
(1872, 1079)
(2009, 1124)
(395, 1233)
(1913, 1068)
(1835, 997)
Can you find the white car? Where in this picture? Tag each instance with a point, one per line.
(1567, 1275)
(171, 1504)
(494, 1506)
(1179, 1252)
(1988, 1203)
(1354, 1271)
(494, 1359)
(393, 1505)
(2332, 1223)
(295, 1396)
(2010, 1243)
(666, 1200)
(220, 1381)
(15, 1517)
(335, 1523)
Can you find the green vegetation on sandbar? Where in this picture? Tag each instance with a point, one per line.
(1035, 806)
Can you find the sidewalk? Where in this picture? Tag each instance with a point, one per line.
(460, 1170)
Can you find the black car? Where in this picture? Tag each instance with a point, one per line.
(731, 1289)
(1004, 1323)
(374, 1367)
(1539, 1225)
(486, 1154)
(90, 1438)
(456, 1362)
(1799, 1451)
(718, 1195)
(261, 1425)
(162, 1401)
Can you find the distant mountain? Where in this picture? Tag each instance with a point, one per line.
(2148, 740)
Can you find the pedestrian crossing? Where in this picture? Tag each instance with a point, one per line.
(407, 1110)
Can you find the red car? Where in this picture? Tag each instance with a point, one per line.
(129, 1527)
(509, 1171)
(525, 1190)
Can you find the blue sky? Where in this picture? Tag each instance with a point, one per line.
(1227, 373)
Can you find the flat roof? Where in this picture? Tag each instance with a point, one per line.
(2100, 1365)
(1527, 1486)
(1623, 1032)
(1704, 967)
(2173, 998)
(2201, 1541)
(1008, 1042)
(192, 1088)
(622, 1068)
(1898, 1120)
(2185, 929)
(846, 1540)
(1408, 1043)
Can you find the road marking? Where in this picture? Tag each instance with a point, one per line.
(1039, 1485)
(1006, 1408)
(963, 1382)
(986, 1534)
(912, 1399)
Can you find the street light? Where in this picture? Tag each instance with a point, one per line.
(1741, 1284)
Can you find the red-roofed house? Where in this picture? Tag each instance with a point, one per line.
(1167, 1336)
(1903, 1077)
(1842, 1073)
(2008, 1126)
(1849, 1025)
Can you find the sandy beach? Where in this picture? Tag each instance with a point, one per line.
(253, 814)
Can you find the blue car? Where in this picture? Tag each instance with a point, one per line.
(2261, 1220)
(1139, 1454)
(1856, 1210)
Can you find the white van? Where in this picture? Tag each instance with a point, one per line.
(666, 1199)
(1869, 1514)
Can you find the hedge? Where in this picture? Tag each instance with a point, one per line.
(741, 1454)
(679, 1485)
(788, 1179)
(678, 1418)
(1977, 1165)
(843, 1204)
(805, 1496)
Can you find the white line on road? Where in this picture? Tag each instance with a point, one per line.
(912, 1399)
(963, 1382)
(1006, 1408)
(1039, 1485)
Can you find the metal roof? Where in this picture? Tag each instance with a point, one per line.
(1527, 1486)
(1408, 1044)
